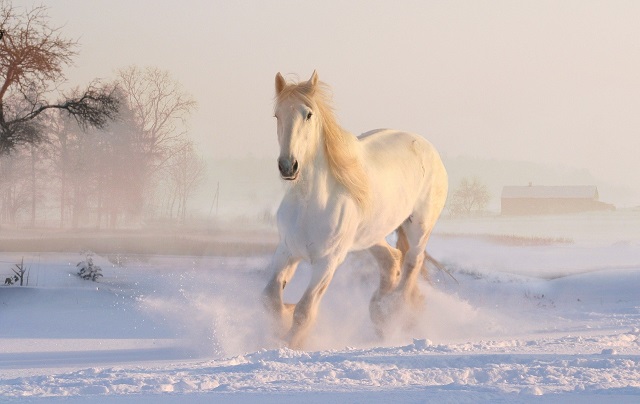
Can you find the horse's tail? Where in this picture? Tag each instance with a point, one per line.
(437, 264)
(402, 244)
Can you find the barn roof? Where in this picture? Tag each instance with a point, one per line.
(550, 192)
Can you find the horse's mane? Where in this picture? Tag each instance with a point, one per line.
(340, 146)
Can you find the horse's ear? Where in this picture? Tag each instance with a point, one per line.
(280, 83)
(313, 81)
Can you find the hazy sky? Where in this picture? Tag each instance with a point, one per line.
(556, 82)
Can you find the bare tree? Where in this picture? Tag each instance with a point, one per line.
(14, 185)
(97, 171)
(60, 141)
(33, 56)
(36, 158)
(120, 170)
(160, 106)
(469, 196)
(20, 270)
(186, 172)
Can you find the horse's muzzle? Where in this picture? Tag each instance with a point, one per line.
(288, 168)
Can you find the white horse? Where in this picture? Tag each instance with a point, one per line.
(348, 194)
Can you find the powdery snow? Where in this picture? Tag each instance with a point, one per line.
(560, 320)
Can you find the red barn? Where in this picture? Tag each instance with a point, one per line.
(540, 200)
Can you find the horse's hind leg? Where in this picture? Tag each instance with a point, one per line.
(417, 230)
(389, 260)
(402, 242)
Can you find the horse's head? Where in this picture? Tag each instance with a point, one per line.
(298, 124)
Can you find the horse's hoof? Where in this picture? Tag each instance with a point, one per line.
(414, 299)
(396, 310)
(382, 308)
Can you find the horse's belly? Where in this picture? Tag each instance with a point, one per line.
(394, 203)
(380, 224)
(369, 236)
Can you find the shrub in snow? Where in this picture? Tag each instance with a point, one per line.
(88, 270)
(11, 280)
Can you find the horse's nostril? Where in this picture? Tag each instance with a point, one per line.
(295, 166)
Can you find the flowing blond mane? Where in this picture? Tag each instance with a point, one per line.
(341, 147)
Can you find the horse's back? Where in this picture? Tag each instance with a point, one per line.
(373, 132)
(386, 145)
(391, 139)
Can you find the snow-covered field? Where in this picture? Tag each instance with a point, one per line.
(556, 316)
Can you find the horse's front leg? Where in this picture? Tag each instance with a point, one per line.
(283, 266)
(306, 311)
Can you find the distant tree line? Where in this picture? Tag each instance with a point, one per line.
(112, 153)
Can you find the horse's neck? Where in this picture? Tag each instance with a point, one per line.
(316, 178)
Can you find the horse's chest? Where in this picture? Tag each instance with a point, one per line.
(311, 232)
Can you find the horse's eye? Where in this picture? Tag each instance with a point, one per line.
(309, 115)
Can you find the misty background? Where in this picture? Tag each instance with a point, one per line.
(540, 92)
